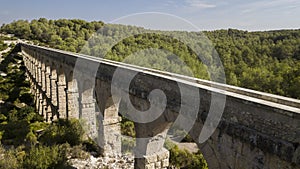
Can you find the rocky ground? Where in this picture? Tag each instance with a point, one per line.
(119, 162)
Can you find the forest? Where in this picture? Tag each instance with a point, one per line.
(267, 61)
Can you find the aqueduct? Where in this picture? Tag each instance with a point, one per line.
(257, 130)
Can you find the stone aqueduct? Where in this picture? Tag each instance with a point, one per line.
(257, 130)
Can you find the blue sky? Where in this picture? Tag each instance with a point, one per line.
(205, 14)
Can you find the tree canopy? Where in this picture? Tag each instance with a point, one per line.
(266, 61)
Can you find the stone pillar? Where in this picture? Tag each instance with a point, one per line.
(109, 131)
(26, 64)
(36, 99)
(35, 83)
(43, 77)
(31, 78)
(149, 152)
(32, 87)
(48, 92)
(35, 79)
(88, 116)
(73, 103)
(39, 73)
(39, 100)
(61, 85)
(29, 65)
(53, 92)
(43, 86)
(34, 66)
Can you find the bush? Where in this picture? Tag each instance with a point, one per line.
(127, 128)
(8, 159)
(43, 157)
(26, 98)
(184, 159)
(91, 146)
(2, 118)
(31, 138)
(63, 131)
(15, 132)
(78, 152)
(128, 144)
(26, 113)
(3, 46)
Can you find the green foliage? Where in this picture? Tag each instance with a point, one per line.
(91, 146)
(128, 144)
(3, 46)
(63, 131)
(44, 157)
(78, 152)
(267, 61)
(25, 114)
(184, 159)
(10, 159)
(21, 125)
(31, 138)
(62, 34)
(127, 127)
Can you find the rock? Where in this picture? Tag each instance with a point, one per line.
(117, 162)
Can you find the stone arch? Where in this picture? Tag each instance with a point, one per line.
(107, 107)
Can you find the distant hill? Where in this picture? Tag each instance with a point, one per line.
(268, 61)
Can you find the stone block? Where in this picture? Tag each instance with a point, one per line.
(164, 154)
(150, 158)
(165, 163)
(158, 164)
(150, 166)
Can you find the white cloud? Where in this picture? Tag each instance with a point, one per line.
(199, 4)
(267, 4)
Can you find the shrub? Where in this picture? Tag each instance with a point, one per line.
(9, 159)
(78, 152)
(127, 144)
(31, 138)
(91, 146)
(2, 118)
(26, 98)
(184, 159)
(127, 128)
(43, 157)
(63, 131)
(14, 132)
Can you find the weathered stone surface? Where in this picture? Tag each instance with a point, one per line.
(165, 163)
(117, 162)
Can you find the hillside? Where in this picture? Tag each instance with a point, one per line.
(267, 61)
